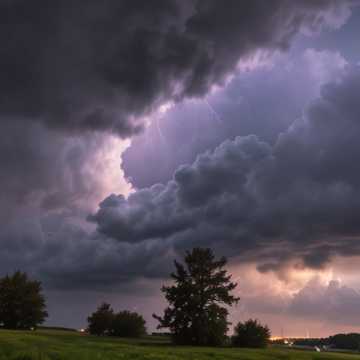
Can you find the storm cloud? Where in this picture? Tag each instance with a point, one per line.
(79, 79)
(295, 199)
(178, 135)
(333, 302)
(90, 65)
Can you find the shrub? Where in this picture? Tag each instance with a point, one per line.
(100, 321)
(124, 323)
(128, 324)
(251, 334)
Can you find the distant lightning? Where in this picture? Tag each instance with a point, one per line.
(213, 111)
(161, 111)
(159, 131)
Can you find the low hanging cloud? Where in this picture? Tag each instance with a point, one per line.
(296, 199)
(90, 65)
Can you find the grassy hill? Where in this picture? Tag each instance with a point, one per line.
(63, 345)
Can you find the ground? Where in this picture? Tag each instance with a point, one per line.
(63, 345)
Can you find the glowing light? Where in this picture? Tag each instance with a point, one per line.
(165, 107)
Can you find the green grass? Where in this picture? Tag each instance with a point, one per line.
(62, 345)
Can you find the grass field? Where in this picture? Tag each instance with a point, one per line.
(62, 345)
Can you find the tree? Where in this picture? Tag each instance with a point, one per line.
(22, 304)
(345, 341)
(251, 334)
(128, 324)
(124, 323)
(100, 322)
(195, 314)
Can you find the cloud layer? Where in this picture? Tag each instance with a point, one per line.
(297, 198)
(177, 136)
(90, 65)
(71, 73)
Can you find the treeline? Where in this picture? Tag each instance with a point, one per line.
(197, 313)
(339, 341)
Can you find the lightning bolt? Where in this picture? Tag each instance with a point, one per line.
(162, 137)
(213, 111)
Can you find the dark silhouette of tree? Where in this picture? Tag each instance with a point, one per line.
(345, 341)
(99, 322)
(104, 321)
(128, 324)
(195, 314)
(251, 334)
(22, 304)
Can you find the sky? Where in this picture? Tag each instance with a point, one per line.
(132, 132)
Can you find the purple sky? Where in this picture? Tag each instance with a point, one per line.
(131, 133)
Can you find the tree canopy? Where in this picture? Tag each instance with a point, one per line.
(251, 334)
(100, 321)
(128, 324)
(196, 314)
(22, 304)
(104, 321)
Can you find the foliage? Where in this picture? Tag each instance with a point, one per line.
(310, 341)
(22, 304)
(251, 334)
(99, 322)
(349, 341)
(124, 323)
(61, 345)
(128, 324)
(345, 341)
(195, 315)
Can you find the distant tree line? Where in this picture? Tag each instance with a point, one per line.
(197, 312)
(349, 341)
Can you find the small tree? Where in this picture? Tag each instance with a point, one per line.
(100, 322)
(124, 323)
(195, 314)
(251, 334)
(22, 304)
(128, 324)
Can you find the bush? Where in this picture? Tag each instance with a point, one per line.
(345, 341)
(128, 324)
(124, 323)
(251, 334)
(100, 321)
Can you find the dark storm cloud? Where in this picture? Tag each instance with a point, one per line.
(90, 65)
(44, 169)
(296, 199)
(193, 127)
(60, 251)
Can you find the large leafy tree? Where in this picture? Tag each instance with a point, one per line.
(22, 304)
(196, 314)
(251, 334)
